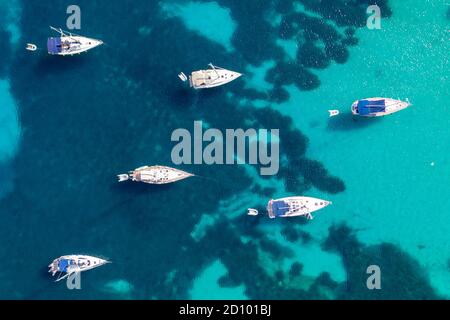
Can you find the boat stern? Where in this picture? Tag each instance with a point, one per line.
(53, 266)
(270, 209)
(355, 108)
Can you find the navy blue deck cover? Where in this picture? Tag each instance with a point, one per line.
(54, 45)
(280, 208)
(366, 107)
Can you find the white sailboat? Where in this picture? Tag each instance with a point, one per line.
(293, 207)
(155, 175)
(378, 107)
(210, 78)
(66, 265)
(68, 44)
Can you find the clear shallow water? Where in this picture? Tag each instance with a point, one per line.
(9, 122)
(404, 156)
(193, 240)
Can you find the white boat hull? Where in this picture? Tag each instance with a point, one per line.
(155, 175)
(76, 45)
(211, 78)
(391, 106)
(293, 207)
(306, 205)
(75, 264)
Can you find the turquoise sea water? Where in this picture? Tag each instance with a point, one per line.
(67, 126)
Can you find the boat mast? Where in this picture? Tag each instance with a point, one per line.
(60, 31)
(215, 70)
(65, 34)
(62, 278)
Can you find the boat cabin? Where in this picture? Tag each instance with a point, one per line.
(278, 208)
(65, 264)
(370, 107)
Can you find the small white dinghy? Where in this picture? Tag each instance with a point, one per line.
(183, 77)
(155, 175)
(333, 113)
(69, 44)
(293, 207)
(210, 78)
(31, 47)
(66, 265)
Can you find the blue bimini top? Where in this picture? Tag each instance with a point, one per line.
(280, 208)
(367, 107)
(64, 264)
(54, 45)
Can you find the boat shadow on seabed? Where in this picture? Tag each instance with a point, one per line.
(134, 188)
(50, 64)
(41, 290)
(346, 121)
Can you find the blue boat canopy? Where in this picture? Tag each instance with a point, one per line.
(366, 107)
(54, 45)
(64, 264)
(280, 208)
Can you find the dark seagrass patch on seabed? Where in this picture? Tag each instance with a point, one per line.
(96, 115)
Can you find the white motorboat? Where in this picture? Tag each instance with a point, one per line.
(210, 78)
(66, 265)
(378, 107)
(293, 207)
(155, 175)
(68, 44)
